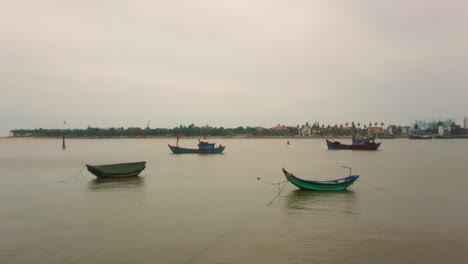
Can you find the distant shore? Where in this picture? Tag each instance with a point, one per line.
(209, 137)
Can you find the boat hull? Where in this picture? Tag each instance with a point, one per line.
(180, 150)
(334, 185)
(119, 170)
(420, 137)
(337, 145)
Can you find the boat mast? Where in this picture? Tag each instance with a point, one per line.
(348, 168)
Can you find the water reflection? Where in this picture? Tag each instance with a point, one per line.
(116, 184)
(303, 200)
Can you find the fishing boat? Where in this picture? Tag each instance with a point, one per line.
(386, 136)
(357, 144)
(117, 170)
(443, 137)
(204, 147)
(420, 136)
(333, 185)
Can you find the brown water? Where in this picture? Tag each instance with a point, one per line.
(212, 208)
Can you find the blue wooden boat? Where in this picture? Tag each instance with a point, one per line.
(204, 147)
(117, 170)
(333, 185)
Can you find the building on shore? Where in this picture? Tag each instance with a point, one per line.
(444, 130)
(305, 130)
(374, 130)
(432, 124)
(405, 130)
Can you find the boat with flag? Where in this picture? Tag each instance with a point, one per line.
(332, 185)
(358, 143)
(118, 170)
(204, 147)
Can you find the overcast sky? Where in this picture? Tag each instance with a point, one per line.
(231, 63)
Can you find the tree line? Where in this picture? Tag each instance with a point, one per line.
(191, 130)
(133, 132)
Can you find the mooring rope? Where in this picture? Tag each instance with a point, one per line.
(220, 237)
(201, 252)
(277, 194)
(74, 175)
(373, 186)
(272, 183)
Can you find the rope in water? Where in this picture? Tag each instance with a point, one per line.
(373, 186)
(220, 237)
(74, 175)
(277, 194)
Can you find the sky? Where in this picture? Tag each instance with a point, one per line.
(119, 63)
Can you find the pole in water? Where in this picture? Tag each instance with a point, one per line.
(63, 134)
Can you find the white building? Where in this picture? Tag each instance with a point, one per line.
(466, 123)
(444, 130)
(305, 130)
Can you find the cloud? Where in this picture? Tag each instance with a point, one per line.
(112, 63)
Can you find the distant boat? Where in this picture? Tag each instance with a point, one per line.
(204, 147)
(420, 136)
(357, 144)
(333, 185)
(386, 136)
(117, 170)
(443, 137)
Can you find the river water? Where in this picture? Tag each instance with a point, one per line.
(409, 206)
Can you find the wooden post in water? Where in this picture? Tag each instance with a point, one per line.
(63, 134)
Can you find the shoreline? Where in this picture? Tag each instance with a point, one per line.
(213, 137)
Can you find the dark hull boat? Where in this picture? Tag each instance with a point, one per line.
(333, 185)
(420, 136)
(353, 146)
(117, 170)
(203, 148)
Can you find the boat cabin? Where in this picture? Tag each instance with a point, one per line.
(205, 145)
(363, 141)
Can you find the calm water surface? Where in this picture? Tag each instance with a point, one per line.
(212, 208)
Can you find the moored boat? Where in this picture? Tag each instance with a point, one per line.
(357, 144)
(118, 170)
(443, 137)
(420, 136)
(386, 136)
(204, 147)
(332, 185)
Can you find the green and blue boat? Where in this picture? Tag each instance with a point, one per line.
(333, 185)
